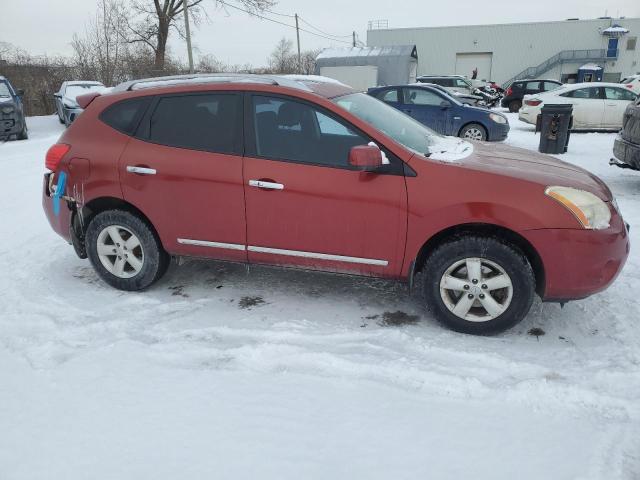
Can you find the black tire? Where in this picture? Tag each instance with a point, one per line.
(477, 127)
(24, 134)
(514, 105)
(156, 260)
(506, 256)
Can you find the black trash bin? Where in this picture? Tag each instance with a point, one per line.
(554, 125)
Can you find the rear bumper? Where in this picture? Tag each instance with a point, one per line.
(60, 223)
(528, 115)
(627, 152)
(579, 263)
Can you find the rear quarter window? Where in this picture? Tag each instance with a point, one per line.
(125, 115)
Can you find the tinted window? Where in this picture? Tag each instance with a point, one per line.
(388, 95)
(124, 115)
(516, 86)
(208, 122)
(612, 93)
(290, 130)
(535, 86)
(591, 93)
(419, 96)
(460, 83)
(546, 86)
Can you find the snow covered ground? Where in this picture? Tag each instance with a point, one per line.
(216, 373)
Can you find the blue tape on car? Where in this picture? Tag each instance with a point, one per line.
(62, 180)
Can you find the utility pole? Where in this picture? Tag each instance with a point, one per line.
(354, 39)
(188, 33)
(298, 39)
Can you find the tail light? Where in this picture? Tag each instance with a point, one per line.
(533, 103)
(508, 92)
(55, 154)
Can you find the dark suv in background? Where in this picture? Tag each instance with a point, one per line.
(626, 148)
(12, 121)
(517, 90)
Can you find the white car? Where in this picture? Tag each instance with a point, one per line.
(596, 105)
(632, 82)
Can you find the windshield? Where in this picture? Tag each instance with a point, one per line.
(72, 91)
(402, 128)
(4, 90)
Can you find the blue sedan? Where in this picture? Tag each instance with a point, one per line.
(441, 112)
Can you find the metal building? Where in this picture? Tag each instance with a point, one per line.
(363, 67)
(504, 52)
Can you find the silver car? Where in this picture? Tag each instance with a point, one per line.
(67, 107)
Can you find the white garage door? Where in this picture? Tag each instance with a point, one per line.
(467, 62)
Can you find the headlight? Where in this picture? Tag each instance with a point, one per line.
(7, 109)
(497, 118)
(590, 211)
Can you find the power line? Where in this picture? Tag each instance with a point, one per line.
(321, 31)
(280, 23)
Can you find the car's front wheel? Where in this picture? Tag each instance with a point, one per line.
(474, 131)
(124, 250)
(478, 285)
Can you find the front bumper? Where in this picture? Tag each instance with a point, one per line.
(498, 132)
(10, 125)
(579, 262)
(627, 152)
(528, 115)
(70, 114)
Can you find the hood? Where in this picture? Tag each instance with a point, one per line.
(534, 167)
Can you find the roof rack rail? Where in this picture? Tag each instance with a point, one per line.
(208, 78)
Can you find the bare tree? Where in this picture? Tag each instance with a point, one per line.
(308, 61)
(153, 20)
(282, 58)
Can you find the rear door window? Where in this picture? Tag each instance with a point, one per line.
(546, 86)
(592, 93)
(388, 96)
(532, 86)
(420, 96)
(209, 122)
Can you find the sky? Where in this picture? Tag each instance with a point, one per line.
(236, 38)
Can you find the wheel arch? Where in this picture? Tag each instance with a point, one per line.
(490, 230)
(101, 204)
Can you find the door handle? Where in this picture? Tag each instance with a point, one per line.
(141, 170)
(266, 185)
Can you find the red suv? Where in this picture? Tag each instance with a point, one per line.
(305, 172)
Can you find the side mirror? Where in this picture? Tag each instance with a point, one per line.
(367, 158)
(57, 95)
(445, 104)
(20, 92)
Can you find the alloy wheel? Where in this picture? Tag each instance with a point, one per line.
(120, 251)
(476, 289)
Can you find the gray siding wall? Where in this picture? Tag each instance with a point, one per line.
(514, 46)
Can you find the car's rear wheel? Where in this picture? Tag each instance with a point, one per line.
(514, 105)
(474, 131)
(124, 250)
(478, 284)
